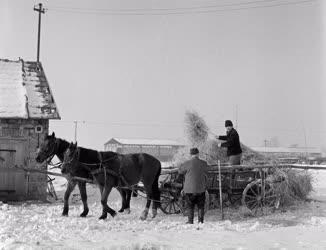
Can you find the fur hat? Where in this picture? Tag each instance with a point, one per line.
(194, 151)
(228, 123)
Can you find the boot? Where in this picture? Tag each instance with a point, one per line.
(201, 213)
(190, 216)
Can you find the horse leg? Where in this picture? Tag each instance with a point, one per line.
(123, 199)
(104, 199)
(70, 187)
(128, 197)
(156, 196)
(149, 196)
(83, 194)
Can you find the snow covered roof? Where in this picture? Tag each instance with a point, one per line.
(286, 150)
(152, 142)
(25, 92)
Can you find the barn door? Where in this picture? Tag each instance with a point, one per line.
(7, 158)
(12, 179)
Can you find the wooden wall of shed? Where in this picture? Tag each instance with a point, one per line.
(20, 135)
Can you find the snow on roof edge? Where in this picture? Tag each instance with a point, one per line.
(142, 141)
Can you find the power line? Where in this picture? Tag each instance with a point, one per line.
(164, 9)
(175, 11)
(137, 124)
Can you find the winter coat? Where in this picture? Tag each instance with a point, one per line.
(232, 142)
(195, 171)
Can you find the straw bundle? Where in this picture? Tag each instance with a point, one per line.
(297, 185)
(196, 128)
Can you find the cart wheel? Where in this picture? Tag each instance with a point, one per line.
(256, 200)
(171, 203)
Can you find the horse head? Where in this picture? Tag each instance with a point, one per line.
(70, 160)
(47, 149)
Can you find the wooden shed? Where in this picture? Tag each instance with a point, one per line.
(26, 105)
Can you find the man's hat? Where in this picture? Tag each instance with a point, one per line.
(228, 123)
(194, 151)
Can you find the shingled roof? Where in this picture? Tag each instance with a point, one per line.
(25, 92)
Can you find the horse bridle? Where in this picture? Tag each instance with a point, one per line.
(48, 160)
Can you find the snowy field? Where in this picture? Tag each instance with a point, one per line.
(41, 226)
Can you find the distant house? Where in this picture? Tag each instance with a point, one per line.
(26, 105)
(164, 150)
(290, 154)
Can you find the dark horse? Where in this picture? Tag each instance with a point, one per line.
(52, 146)
(111, 169)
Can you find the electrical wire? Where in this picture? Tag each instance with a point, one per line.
(165, 9)
(176, 11)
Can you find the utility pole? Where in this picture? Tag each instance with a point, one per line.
(236, 117)
(40, 11)
(76, 122)
(76, 126)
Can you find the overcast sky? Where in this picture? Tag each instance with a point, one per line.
(136, 75)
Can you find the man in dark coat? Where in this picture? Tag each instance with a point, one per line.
(232, 143)
(195, 171)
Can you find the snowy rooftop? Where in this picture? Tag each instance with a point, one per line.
(158, 142)
(286, 150)
(25, 92)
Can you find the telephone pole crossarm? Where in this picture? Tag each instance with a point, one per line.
(40, 11)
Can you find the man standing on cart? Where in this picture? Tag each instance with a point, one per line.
(232, 143)
(195, 172)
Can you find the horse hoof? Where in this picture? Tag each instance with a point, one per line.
(83, 214)
(103, 217)
(154, 213)
(144, 215)
(65, 214)
(127, 211)
(121, 210)
(113, 214)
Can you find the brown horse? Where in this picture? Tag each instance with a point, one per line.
(52, 146)
(111, 169)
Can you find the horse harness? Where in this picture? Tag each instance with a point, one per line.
(104, 168)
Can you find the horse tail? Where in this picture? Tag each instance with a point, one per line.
(155, 187)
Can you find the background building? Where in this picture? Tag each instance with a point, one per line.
(163, 150)
(26, 105)
(292, 154)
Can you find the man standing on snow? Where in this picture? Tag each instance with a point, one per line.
(195, 171)
(232, 143)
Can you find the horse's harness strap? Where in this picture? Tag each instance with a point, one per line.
(106, 170)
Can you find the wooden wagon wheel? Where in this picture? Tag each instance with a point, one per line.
(259, 196)
(171, 202)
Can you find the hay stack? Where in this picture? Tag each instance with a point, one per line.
(196, 128)
(297, 185)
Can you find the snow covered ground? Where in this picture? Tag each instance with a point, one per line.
(41, 226)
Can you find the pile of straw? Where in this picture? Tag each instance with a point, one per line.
(296, 185)
(196, 128)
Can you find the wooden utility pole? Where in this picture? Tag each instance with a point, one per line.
(236, 117)
(76, 124)
(76, 127)
(40, 11)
